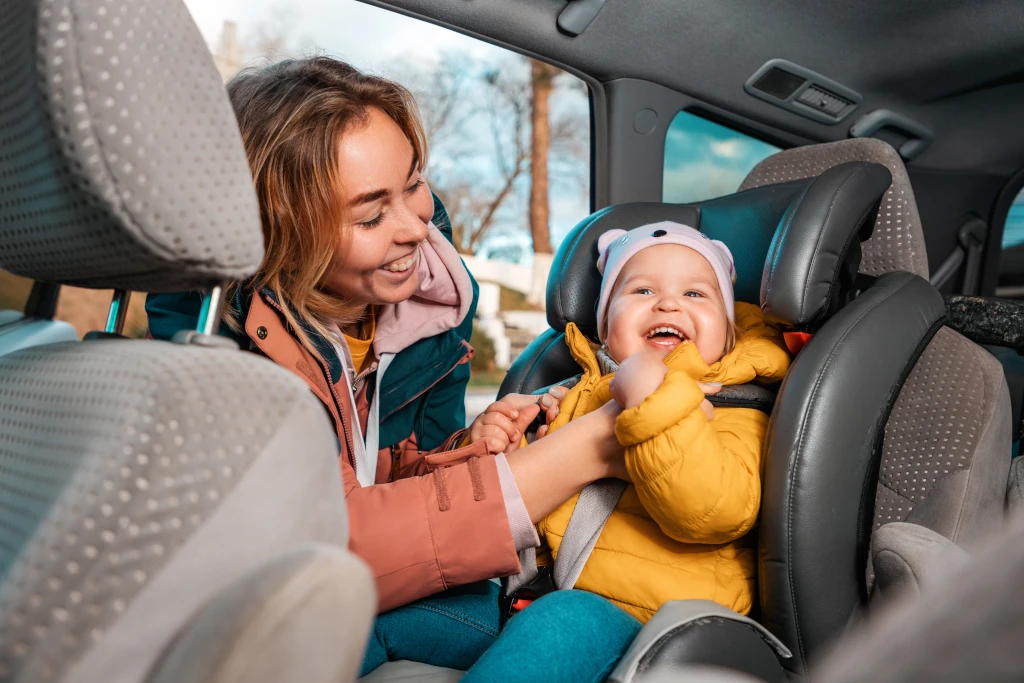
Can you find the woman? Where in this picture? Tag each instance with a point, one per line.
(362, 294)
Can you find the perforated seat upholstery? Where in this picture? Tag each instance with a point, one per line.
(121, 159)
(897, 242)
(941, 464)
(168, 511)
(886, 416)
(140, 479)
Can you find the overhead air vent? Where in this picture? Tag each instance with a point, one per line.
(802, 91)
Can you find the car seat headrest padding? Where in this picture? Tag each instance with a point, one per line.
(747, 222)
(814, 256)
(121, 164)
(898, 240)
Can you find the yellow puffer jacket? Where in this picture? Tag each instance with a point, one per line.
(677, 532)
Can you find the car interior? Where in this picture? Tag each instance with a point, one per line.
(154, 527)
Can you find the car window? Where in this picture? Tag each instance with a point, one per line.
(704, 159)
(14, 291)
(477, 102)
(1011, 262)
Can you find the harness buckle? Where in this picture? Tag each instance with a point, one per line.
(525, 595)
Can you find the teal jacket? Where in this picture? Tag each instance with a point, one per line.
(423, 391)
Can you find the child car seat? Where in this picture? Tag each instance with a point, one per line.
(811, 227)
(886, 415)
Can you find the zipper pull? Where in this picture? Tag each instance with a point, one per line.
(396, 461)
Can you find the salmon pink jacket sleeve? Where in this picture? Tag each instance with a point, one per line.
(442, 523)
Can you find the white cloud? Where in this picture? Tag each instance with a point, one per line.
(728, 148)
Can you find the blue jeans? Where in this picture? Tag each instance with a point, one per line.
(567, 636)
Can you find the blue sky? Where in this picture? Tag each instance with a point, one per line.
(1013, 233)
(704, 159)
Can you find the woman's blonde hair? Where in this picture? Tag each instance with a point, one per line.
(292, 115)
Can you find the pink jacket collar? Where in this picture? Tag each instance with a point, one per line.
(440, 303)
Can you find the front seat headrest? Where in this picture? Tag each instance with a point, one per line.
(792, 244)
(121, 164)
(898, 240)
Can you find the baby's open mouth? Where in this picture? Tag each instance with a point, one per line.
(666, 335)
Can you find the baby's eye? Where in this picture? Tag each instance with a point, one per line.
(643, 290)
(694, 293)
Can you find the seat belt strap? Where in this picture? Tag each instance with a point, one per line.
(593, 508)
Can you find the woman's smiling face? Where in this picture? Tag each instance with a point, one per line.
(386, 209)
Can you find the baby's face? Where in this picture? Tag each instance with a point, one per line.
(665, 295)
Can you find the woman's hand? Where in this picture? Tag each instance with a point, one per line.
(505, 422)
(613, 458)
(638, 377)
(549, 471)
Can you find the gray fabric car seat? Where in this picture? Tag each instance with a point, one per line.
(938, 468)
(168, 511)
(897, 242)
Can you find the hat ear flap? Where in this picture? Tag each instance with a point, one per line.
(605, 240)
(728, 258)
(604, 244)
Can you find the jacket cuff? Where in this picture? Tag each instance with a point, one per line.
(677, 397)
(459, 439)
(524, 533)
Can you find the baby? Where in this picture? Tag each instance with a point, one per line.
(671, 333)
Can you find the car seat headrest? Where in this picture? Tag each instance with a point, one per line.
(121, 164)
(898, 240)
(810, 228)
(815, 254)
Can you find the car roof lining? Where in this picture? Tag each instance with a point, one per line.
(957, 67)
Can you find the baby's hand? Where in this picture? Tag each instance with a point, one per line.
(709, 388)
(641, 374)
(504, 422)
(637, 378)
(550, 403)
